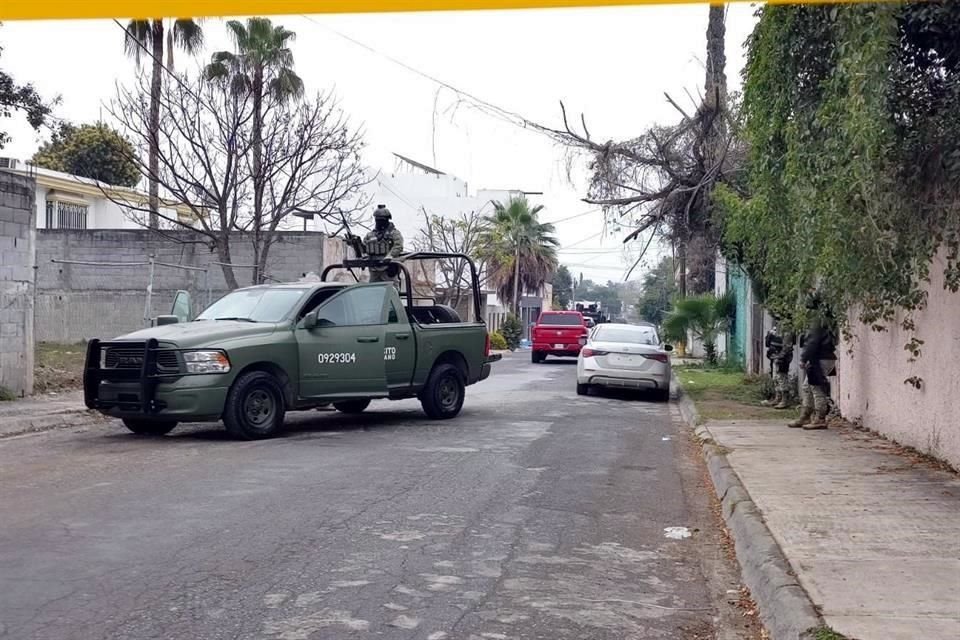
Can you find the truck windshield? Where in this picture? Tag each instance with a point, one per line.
(254, 305)
(561, 319)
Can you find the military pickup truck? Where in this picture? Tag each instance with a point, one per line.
(261, 351)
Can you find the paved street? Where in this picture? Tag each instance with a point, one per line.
(535, 514)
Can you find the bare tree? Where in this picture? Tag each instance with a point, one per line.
(310, 164)
(661, 181)
(457, 234)
(311, 167)
(200, 158)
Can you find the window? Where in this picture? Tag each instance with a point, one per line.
(393, 317)
(254, 305)
(624, 334)
(66, 215)
(361, 306)
(565, 319)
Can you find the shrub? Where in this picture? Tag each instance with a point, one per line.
(497, 341)
(512, 331)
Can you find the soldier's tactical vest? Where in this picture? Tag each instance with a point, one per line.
(379, 247)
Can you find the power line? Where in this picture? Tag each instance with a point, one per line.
(579, 215)
(501, 113)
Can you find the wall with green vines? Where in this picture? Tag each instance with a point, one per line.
(852, 118)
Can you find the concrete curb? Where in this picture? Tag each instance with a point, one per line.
(23, 425)
(785, 608)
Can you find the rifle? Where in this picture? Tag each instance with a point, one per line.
(354, 241)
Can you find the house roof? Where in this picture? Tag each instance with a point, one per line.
(420, 165)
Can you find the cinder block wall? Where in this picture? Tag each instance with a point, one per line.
(17, 232)
(78, 302)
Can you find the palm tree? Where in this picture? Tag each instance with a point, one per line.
(705, 316)
(519, 249)
(147, 37)
(261, 67)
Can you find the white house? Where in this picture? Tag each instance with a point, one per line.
(66, 201)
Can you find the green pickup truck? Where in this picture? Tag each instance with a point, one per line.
(261, 351)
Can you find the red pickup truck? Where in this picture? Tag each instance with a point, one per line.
(557, 333)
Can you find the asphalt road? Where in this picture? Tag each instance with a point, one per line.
(535, 514)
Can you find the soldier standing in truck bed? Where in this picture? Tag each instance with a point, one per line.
(385, 241)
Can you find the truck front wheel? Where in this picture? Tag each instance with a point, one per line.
(149, 427)
(442, 398)
(255, 407)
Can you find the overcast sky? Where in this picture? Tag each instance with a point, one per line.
(613, 64)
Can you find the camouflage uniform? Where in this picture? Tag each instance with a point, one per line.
(383, 242)
(780, 353)
(817, 360)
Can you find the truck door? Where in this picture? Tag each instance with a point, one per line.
(343, 356)
(400, 350)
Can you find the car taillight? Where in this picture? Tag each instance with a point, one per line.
(486, 347)
(659, 357)
(589, 353)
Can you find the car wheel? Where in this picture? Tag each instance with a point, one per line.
(351, 406)
(443, 396)
(143, 427)
(536, 357)
(583, 389)
(255, 407)
(662, 395)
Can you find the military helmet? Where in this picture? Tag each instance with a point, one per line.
(382, 212)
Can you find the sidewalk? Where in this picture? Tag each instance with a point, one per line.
(40, 413)
(872, 535)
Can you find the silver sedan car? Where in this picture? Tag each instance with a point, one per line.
(624, 356)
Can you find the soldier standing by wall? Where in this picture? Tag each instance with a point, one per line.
(385, 241)
(779, 343)
(817, 361)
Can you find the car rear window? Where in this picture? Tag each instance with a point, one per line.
(630, 336)
(561, 319)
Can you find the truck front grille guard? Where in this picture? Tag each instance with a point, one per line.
(148, 375)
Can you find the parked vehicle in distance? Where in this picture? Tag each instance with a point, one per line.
(261, 351)
(589, 322)
(557, 333)
(624, 356)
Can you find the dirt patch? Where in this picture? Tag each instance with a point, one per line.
(59, 367)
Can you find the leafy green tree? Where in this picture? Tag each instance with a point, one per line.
(705, 316)
(658, 288)
(512, 331)
(146, 38)
(23, 98)
(260, 67)
(518, 248)
(93, 151)
(562, 287)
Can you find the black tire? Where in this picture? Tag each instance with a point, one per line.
(144, 427)
(536, 357)
(351, 406)
(255, 407)
(583, 389)
(662, 395)
(442, 397)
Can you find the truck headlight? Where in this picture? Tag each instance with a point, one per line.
(206, 361)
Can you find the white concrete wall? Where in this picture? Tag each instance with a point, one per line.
(870, 382)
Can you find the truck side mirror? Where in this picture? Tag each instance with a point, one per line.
(310, 321)
(162, 320)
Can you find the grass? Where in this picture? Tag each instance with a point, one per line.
(727, 394)
(58, 367)
(6, 395)
(826, 633)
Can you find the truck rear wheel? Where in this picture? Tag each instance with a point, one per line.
(442, 398)
(255, 407)
(145, 427)
(536, 357)
(351, 406)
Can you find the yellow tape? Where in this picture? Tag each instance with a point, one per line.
(82, 9)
